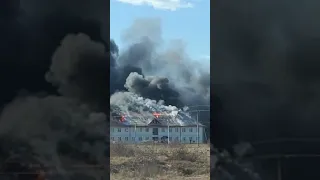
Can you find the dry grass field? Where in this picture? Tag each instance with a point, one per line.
(160, 162)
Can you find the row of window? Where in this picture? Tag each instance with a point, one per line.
(147, 129)
(148, 138)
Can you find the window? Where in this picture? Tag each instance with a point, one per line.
(177, 130)
(126, 129)
(184, 139)
(119, 138)
(170, 129)
(147, 138)
(126, 138)
(190, 129)
(140, 129)
(163, 129)
(190, 138)
(133, 139)
(119, 129)
(147, 129)
(140, 138)
(183, 129)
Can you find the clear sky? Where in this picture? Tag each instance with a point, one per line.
(186, 20)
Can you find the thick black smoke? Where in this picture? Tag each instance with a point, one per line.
(54, 70)
(150, 69)
(29, 40)
(265, 72)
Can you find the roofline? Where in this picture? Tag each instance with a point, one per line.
(154, 125)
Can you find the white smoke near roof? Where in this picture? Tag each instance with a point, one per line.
(139, 110)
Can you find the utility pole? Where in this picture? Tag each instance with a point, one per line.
(135, 132)
(168, 133)
(198, 128)
(169, 128)
(198, 111)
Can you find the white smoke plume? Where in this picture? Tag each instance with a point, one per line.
(153, 69)
(139, 110)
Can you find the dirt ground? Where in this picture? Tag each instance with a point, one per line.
(160, 162)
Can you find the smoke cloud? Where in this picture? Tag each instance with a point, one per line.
(54, 96)
(54, 59)
(265, 73)
(154, 69)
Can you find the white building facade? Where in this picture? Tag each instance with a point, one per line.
(157, 130)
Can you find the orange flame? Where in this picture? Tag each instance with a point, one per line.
(156, 115)
(122, 118)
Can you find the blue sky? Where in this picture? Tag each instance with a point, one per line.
(186, 20)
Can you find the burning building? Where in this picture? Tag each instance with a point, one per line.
(156, 127)
(147, 77)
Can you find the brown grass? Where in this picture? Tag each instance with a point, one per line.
(151, 162)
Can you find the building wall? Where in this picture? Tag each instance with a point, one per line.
(180, 134)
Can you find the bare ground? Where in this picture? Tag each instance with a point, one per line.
(159, 162)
